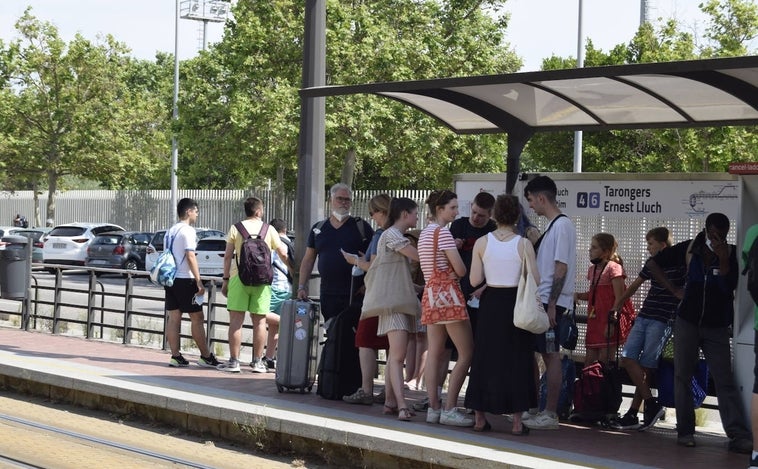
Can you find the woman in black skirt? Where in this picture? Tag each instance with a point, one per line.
(501, 380)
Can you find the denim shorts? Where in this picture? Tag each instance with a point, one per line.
(643, 342)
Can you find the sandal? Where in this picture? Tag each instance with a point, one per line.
(390, 410)
(524, 431)
(484, 428)
(404, 414)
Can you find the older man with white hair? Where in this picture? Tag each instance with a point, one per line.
(326, 238)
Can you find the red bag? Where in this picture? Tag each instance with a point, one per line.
(443, 299)
(597, 391)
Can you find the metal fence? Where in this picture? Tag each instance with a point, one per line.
(150, 210)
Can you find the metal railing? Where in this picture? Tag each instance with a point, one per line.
(115, 313)
(115, 308)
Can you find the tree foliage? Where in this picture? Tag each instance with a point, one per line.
(86, 110)
(241, 102)
(75, 109)
(733, 23)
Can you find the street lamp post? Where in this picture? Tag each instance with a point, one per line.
(174, 118)
(578, 136)
(214, 11)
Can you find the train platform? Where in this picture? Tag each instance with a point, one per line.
(137, 380)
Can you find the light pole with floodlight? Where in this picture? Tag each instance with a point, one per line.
(213, 11)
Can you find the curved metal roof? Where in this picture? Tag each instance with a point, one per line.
(713, 92)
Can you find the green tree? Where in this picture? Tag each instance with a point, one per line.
(732, 25)
(240, 102)
(76, 109)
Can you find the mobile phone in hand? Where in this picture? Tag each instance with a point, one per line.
(345, 253)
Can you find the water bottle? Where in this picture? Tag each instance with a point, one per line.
(550, 341)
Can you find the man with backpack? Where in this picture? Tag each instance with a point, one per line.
(248, 273)
(703, 321)
(325, 240)
(185, 295)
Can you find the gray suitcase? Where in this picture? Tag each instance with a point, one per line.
(297, 352)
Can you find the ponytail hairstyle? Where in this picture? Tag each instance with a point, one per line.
(439, 199)
(398, 205)
(608, 243)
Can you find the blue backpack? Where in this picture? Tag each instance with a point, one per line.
(163, 271)
(566, 397)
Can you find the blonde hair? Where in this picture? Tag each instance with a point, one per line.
(379, 203)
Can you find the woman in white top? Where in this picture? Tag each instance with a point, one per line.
(501, 380)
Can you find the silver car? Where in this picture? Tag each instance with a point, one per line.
(118, 250)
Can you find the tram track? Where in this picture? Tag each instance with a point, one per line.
(39, 433)
(11, 463)
(68, 434)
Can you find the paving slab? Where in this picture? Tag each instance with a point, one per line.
(210, 399)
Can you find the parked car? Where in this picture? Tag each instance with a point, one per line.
(37, 238)
(67, 244)
(156, 244)
(210, 255)
(118, 250)
(6, 231)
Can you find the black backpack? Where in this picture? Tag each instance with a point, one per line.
(254, 260)
(751, 270)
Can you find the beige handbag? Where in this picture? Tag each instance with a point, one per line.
(528, 313)
(389, 288)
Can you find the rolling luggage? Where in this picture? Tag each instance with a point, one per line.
(297, 353)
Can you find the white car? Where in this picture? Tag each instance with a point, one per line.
(210, 256)
(67, 244)
(7, 231)
(155, 248)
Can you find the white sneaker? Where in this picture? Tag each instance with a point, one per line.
(456, 418)
(529, 414)
(232, 366)
(258, 366)
(545, 420)
(433, 416)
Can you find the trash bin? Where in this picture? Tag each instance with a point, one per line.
(15, 262)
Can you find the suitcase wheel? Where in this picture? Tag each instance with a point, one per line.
(280, 388)
(309, 388)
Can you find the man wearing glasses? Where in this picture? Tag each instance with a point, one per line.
(325, 240)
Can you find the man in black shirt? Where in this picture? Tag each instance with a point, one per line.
(466, 230)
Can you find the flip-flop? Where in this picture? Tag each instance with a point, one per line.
(484, 428)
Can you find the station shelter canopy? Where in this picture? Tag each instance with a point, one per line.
(697, 93)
